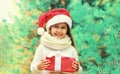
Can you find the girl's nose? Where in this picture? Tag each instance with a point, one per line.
(59, 29)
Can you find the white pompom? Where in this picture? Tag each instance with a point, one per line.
(40, 31)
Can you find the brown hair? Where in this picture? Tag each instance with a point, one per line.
(70, 35)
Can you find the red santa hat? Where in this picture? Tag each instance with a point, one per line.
(52, 17)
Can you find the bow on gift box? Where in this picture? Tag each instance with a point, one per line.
(60, 63)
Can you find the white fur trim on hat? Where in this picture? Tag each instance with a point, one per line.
(58, 19)
(40, 31)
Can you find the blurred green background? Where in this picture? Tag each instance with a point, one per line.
(96, 32)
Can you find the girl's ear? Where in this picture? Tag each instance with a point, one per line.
(49, 31)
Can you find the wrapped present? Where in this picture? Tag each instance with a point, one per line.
(60, 63)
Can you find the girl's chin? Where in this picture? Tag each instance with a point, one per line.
(58, 37)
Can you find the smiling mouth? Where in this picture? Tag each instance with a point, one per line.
(58, 35)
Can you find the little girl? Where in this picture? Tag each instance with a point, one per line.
(56, 41)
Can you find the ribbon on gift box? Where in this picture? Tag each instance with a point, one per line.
(60, 63)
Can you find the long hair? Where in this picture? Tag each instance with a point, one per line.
(70, 35)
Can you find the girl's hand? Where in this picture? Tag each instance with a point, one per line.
(43, 64)
(75, 65)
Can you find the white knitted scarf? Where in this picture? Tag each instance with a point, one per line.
(54, 43)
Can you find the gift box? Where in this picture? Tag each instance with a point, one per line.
(62, 64)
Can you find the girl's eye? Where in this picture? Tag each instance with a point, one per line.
(55, 26)
(63, 27)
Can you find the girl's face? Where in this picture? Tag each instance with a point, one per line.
(59, 30)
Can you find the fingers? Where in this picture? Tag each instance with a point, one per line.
(75, 65)
(43, 64)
